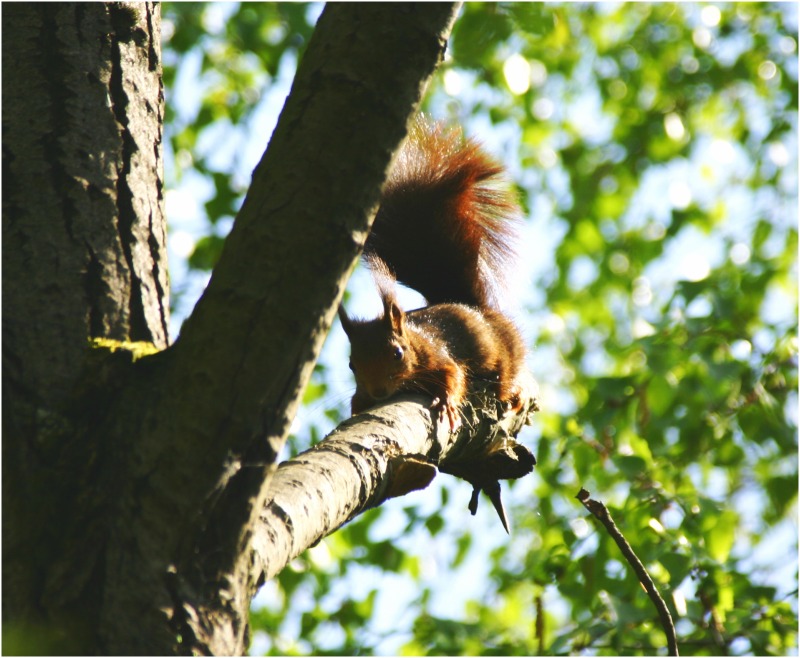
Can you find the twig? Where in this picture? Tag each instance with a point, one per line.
(717, 629)
(540, 624)
(601, 513)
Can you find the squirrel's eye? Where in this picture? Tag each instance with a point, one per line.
(398, 353)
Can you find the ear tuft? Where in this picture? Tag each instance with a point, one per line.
(347, 323)
(393, 315)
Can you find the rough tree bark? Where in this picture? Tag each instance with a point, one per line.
(84, 257)
(134, 473)
(389, 451)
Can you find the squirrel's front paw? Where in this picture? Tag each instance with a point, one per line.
(512, 401)
(447, 409)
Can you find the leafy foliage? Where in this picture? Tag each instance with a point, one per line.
(655, 148)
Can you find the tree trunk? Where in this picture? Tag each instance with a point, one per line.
(134, 474)
(84, 256)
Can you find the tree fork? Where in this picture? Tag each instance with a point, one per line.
(133, 483)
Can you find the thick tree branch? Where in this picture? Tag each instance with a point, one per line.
(245, 354)
(601, 513)
(237, 371)
(388, 451)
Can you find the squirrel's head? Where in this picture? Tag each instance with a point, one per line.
(380, 357)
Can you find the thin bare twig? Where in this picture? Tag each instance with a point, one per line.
(540, 624)
(601, 513)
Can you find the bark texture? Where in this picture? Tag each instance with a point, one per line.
(84, 255)
(82, 202)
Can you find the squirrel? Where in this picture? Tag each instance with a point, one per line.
(446, 227)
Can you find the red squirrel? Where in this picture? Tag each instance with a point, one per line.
(446, 227)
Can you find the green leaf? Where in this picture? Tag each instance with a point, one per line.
(661, 395)
(630, 466)
(720, 535)
(206, 252)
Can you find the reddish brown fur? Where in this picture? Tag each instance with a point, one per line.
(447, 224)
(426, 364)
(446, 229)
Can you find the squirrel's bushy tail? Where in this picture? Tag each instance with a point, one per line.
(448, 219)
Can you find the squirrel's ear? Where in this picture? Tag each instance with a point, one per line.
(393, 315)
(347, 323)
